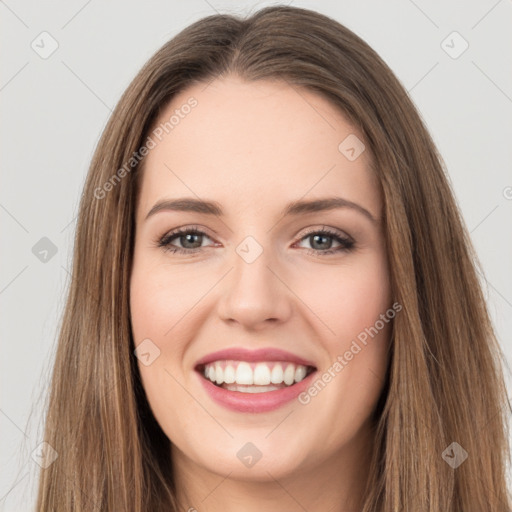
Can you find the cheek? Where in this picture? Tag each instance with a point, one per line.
(165, 308)
(348, 298)
(354, 302)
(159, 299)
(157, 311)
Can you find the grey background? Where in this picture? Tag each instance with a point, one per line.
(54, 109)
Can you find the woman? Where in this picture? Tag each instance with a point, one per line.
(248, 370)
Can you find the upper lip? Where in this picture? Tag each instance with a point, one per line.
(262, 354)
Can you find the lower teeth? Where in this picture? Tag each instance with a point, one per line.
(251, 389)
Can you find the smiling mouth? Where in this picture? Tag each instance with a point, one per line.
(254, 377)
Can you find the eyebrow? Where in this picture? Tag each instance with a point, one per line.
(294, 208)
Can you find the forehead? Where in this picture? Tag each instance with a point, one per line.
(260, 142)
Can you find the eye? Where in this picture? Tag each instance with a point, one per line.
(319, 240)
(190, 237)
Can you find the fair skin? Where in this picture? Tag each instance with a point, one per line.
(254, 147)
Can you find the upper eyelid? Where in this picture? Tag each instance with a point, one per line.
(187, 229)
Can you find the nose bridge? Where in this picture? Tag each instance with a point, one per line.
(253, 293)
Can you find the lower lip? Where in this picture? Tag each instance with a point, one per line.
(255, 402)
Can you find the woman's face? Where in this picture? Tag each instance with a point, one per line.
(267, 286)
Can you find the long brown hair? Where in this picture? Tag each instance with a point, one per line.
(445, 381)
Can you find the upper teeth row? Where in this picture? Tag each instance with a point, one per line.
(260, 374)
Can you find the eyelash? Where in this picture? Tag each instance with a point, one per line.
(346, 243)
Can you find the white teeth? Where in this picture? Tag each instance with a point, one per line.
(300, 373)
(244, 374)
(276, 377)
(259, 375)
(250, 389)
(219, 374)
(289, 375)
(229, 374)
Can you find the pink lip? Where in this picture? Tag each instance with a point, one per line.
(254, 402)
(262, 354)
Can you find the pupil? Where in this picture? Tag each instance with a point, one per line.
(188, 239)
(315, 237)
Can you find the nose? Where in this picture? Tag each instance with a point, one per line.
(254, 294)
